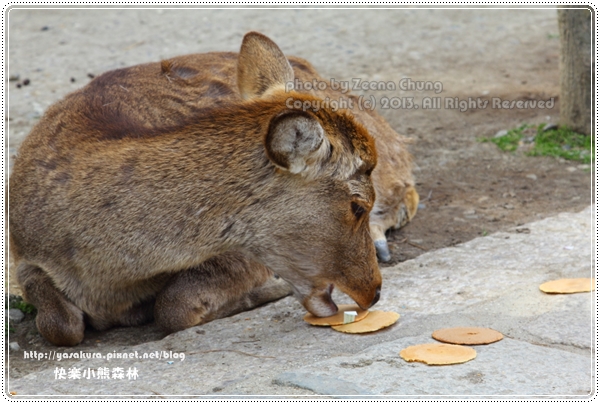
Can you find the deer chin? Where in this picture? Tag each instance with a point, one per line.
(319, 302)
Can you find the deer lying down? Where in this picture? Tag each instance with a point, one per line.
(205, 80)
(115, 204)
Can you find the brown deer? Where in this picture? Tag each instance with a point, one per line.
(209, 79)
(115, 203)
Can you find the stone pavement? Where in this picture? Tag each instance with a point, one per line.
(492, 281)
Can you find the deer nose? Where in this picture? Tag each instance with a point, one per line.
(383, 251)
(377, 295)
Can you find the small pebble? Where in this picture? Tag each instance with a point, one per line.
(26, 82)
(72, 79)
(45, 28)
(469, 212)
(14, 346)
(421, 206)
(14, 77)
(584, 167)
(531, 176)
(501, 133)
(571, 169)
(509, 206)
(18, 85)
(15, 315)
(90, 75)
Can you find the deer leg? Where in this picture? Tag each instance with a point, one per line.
(138, 314)
(58, 320)
(130, 305)
(220, 287)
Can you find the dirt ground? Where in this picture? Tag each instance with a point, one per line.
(468, 188)
(485, 190)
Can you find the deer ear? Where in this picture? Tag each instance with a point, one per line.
(262, 66)
(296, 141)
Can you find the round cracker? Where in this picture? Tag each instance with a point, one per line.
(467, 335)
(376, 320)
(438, 354)
(337, 318)
(574, 285)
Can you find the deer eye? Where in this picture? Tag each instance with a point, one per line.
(357, 210)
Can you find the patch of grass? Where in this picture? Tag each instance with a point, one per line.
(509, 141)
(560, 142)
(16, 302)
(25, 307)
(563, 142)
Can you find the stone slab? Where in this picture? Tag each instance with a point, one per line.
(508, 367)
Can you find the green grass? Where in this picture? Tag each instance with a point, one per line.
(510, 141)
(25, 307)
(561, 142)
(18, 303)
(565, 143)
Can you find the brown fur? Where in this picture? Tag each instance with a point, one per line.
(220, 287)
(130, 186)
(397, 199)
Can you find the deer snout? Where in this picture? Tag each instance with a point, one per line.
(376, 298)
(364, 292)
(366, 299)
(383, 251)
(379, 240)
